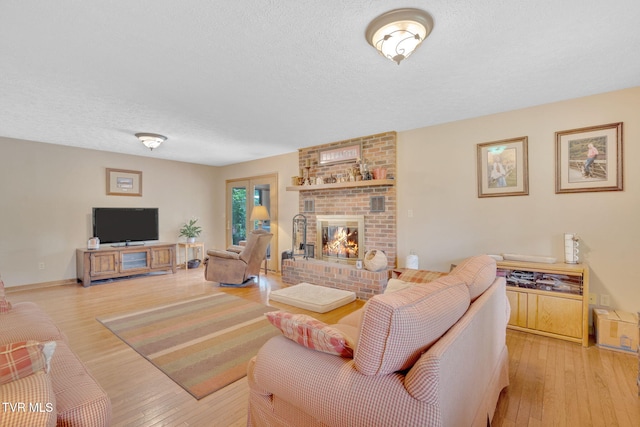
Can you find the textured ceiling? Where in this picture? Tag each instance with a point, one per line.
(233, 81)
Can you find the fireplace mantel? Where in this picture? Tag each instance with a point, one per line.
(349, 184)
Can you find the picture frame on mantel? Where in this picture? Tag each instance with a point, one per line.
(503, 168)
(345, 153)
(589, 159)
(121, 182)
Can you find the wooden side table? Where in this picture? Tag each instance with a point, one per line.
(195, 245)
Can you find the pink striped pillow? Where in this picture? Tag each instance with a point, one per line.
(21, 359)
(5, 306)
(311, 333)
(420, 276)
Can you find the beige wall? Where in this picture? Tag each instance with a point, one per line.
(47, 192)
(437, 180)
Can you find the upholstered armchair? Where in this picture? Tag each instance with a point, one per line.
(237, 264)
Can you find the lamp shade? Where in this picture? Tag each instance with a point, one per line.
(396, 34)
(259, 213)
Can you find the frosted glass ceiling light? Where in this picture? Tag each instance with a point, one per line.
(396, 34)
(151, 140)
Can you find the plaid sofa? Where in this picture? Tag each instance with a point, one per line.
(432, 354)
(75, 399)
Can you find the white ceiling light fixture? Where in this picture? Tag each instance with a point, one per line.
(396, 34)
(151, 140)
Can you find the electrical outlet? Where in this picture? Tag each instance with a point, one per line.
(593, 299)
(410, 213)
(604, 300)
(41, 266)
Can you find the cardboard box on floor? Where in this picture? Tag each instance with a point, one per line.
(616, 329)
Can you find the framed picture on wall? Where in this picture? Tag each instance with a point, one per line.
(503, 168)
(345, 153)
(122, 182)
(589, 159)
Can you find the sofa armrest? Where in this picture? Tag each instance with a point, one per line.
(35, 389)
(222, 254)
(329, 388)
(474, 352)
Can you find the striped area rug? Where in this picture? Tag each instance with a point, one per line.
(203, 344)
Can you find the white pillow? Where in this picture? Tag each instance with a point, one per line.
(394, 285)
(47, 350)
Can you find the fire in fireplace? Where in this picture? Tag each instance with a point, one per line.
(340, 238)
(340, 241)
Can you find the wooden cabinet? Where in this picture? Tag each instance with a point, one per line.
(110, 262)
(518, 303)
(163, 257)
(103, 264)
(548, 299)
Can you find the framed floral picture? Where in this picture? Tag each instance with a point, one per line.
(122, 182)
(589, 159)
(503, 168)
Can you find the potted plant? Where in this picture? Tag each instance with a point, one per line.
(190, 230)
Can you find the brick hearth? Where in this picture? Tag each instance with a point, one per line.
(340, 276)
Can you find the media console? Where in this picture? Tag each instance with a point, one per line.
(548, 299)
(110, 262)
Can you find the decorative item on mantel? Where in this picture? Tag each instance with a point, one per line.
(375, 260)
(380, 173)
(364, 170)
(190, 230)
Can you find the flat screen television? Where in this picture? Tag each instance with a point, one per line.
(124, 225)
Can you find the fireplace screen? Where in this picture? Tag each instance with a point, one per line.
(340, 238)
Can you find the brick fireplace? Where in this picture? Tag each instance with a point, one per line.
(374, 202)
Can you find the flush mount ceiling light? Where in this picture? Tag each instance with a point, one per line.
(396, 34)
(151, 140)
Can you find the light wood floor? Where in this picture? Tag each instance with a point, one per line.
(552, 382)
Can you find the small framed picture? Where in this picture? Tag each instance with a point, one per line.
(345, 153)
(503, 168)
(589, 159)
(122, 182)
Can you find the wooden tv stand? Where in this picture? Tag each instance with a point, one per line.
(110, 262)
